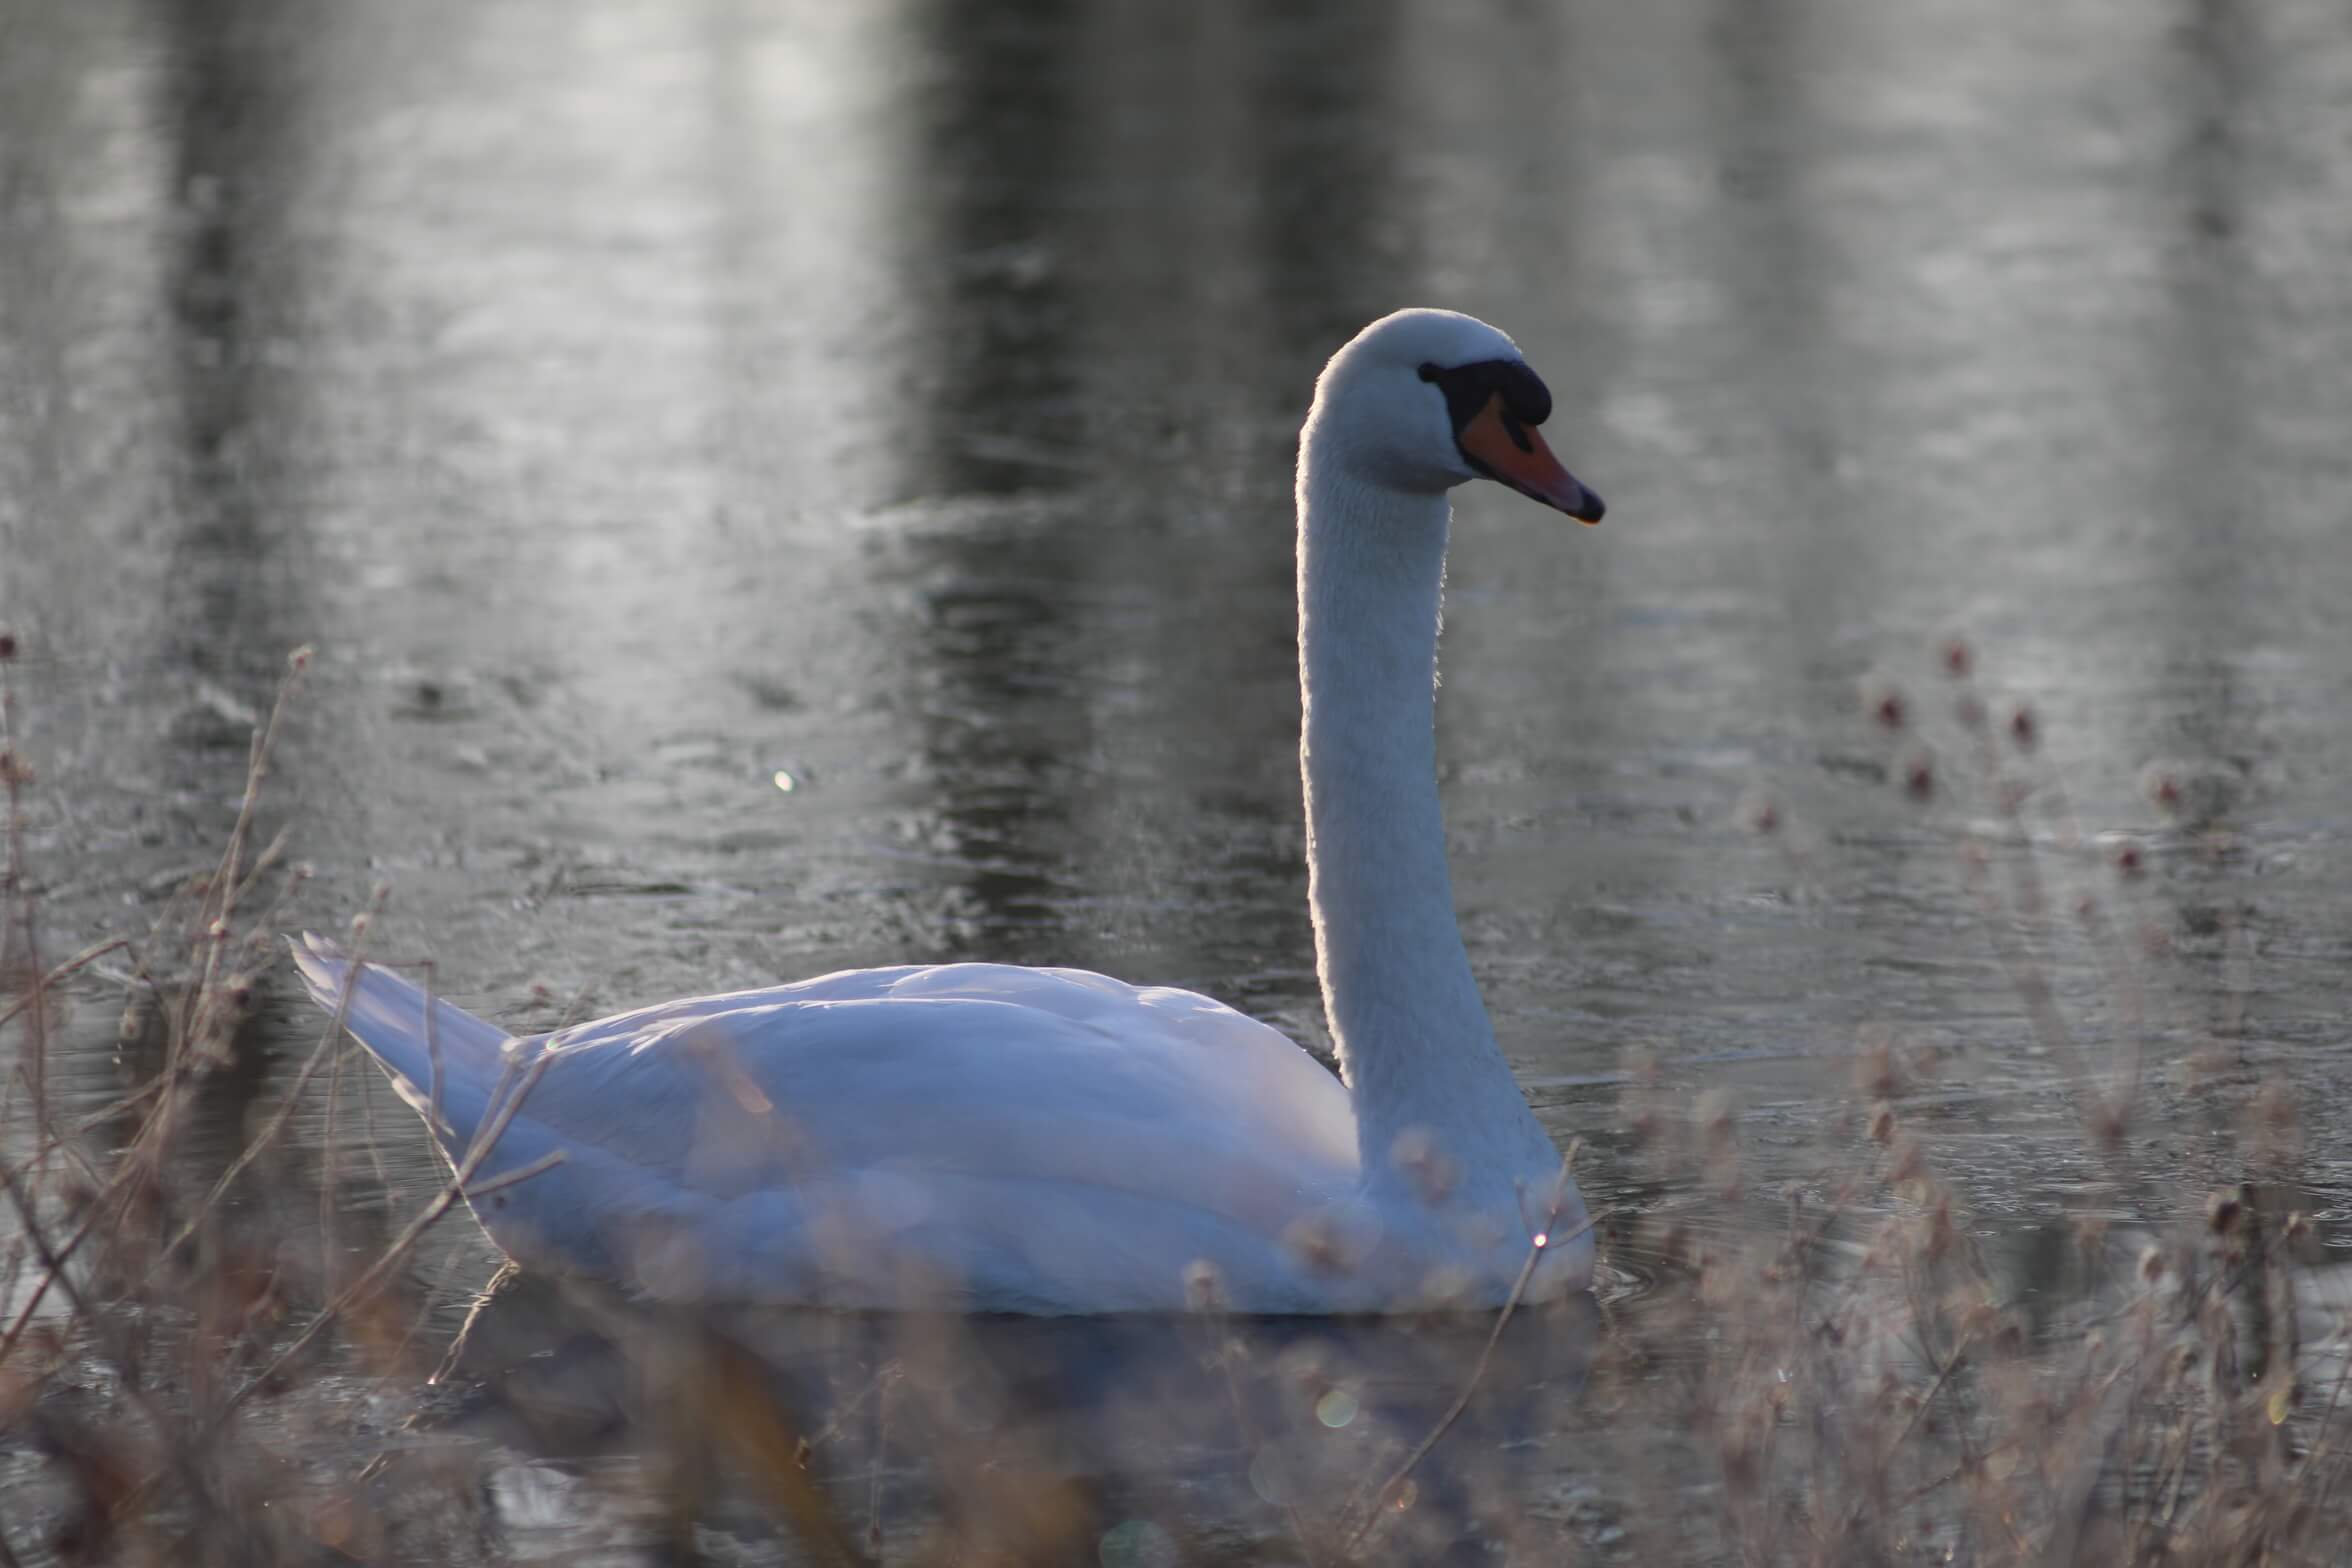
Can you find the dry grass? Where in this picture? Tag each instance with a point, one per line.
(211, 1356)
(1869, 1387)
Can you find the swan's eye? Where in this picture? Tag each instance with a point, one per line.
(1469, 388)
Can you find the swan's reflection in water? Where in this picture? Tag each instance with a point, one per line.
(1121, 1440)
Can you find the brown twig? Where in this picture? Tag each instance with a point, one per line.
(329, 1038)
(451, 1192)
(226, 882)
(1538, 1244)
(62, 972)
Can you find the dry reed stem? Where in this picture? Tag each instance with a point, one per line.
(1369, 1507)
(331, 1038)
(63, 972)
(451, 1191)
(226, 881)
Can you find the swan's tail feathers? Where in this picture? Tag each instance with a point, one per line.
(405, 1028)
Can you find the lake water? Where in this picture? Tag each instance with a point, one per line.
(779, 487)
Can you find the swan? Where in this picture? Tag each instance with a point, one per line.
(993, 1138)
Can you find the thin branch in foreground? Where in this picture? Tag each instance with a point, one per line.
(1537, 1245)
(58, 975)
(446, 1199)
(227, 883)
(329, 1039)
(516, 1177)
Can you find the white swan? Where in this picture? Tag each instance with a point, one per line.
(1053, 1141)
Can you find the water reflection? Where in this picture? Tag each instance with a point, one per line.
(235, 129)
(1056, 1432)
(1003, 431)
(1325, 112)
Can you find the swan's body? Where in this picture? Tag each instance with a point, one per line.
(1048, 1140)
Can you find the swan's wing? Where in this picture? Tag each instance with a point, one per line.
(1031, 1131)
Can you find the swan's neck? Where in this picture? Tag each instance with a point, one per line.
(1414, 1043)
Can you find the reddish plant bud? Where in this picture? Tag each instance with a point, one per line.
(1883, 700)
(1919, 777)
(1958, 657)
(2024, 728)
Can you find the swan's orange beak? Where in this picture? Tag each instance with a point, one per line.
(1507, 448)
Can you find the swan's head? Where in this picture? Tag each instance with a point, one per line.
(1425, 399)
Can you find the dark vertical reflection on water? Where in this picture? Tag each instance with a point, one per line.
(1308, 187)
(2213, 590)
(235, 124)
(244, 135)
(1246, 189)
(995, 156)
(2204, 487)
(1003, 436)
(1079, 162)
(1324, 110)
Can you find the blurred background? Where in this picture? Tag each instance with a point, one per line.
(775, 487)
